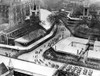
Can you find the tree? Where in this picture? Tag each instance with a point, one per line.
(59, 18)
(54, 19)
(77, 11)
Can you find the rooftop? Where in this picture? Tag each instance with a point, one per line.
(73, 45)
(28, 66)
(43, 17)
(3, 69)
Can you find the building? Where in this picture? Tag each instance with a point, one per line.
(21, 67)
(15, 14)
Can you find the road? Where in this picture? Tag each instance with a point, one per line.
(36, 55)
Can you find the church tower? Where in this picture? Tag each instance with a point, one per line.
(34, 9)
(86, 8)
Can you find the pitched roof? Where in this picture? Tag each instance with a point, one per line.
(3, 69)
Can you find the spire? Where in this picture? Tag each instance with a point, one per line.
(35, 7)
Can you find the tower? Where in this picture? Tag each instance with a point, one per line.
(86, 8)
(35, 9)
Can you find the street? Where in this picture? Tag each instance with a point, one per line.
(36, 55)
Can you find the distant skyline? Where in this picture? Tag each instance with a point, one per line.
(51, 3)
(94, 1)
(55, 1)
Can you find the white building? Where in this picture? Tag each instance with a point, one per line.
(74, 45)
(28, 68)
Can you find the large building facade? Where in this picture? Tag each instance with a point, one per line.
(12, 15)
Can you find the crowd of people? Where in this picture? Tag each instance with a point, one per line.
(44, 61)
(54, 41)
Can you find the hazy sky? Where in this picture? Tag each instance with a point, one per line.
(50, 2)
(94, 1)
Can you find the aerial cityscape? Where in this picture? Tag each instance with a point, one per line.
(49, 38)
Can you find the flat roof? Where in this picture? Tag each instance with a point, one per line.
(63, 46)
(28, 66)
(78, 40)
(22, 40)
(30, 46)
(97, 43)
(69, 40)
(67, 49)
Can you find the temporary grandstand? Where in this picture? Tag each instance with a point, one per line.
(71, 70)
